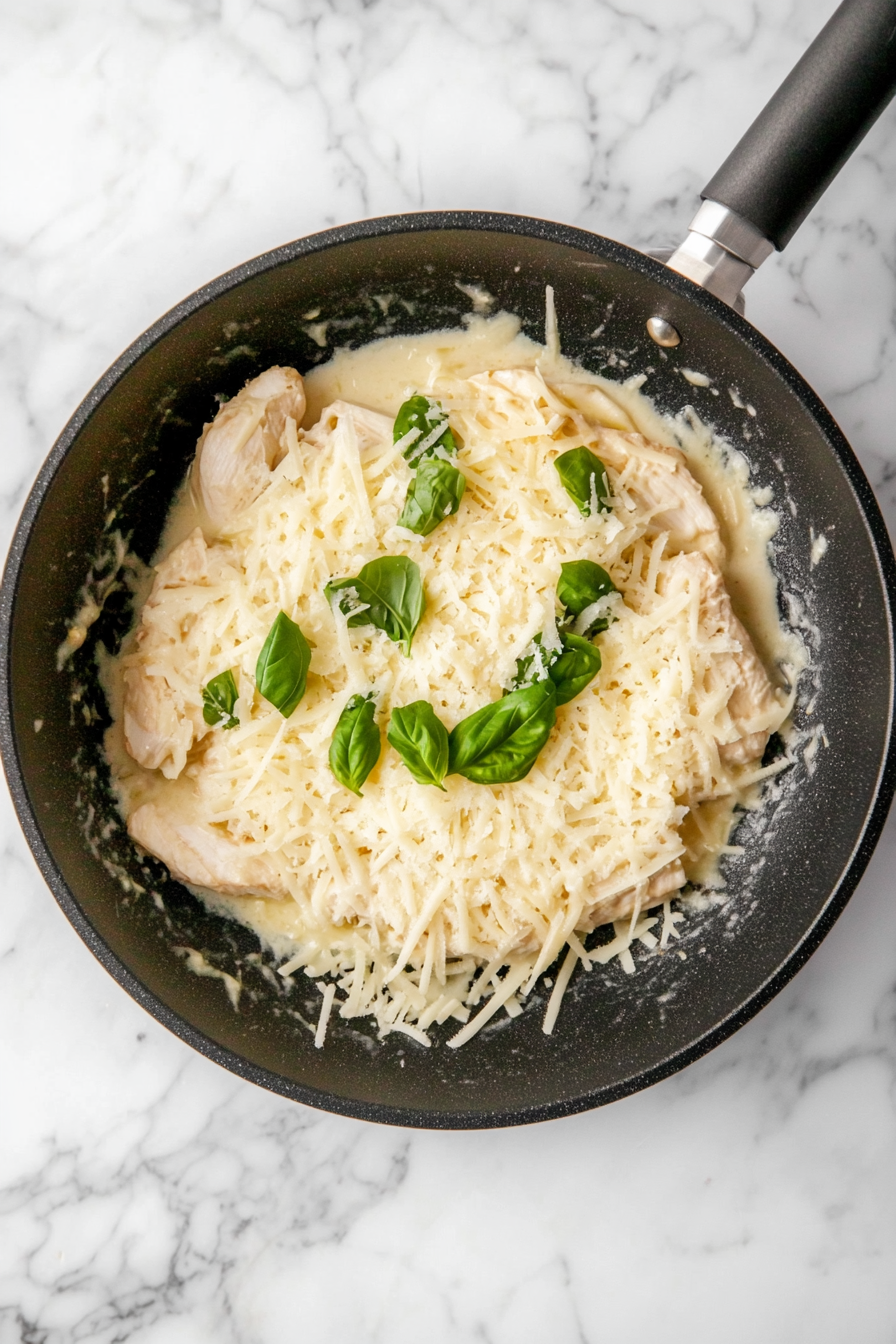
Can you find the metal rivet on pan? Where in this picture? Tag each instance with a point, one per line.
(662, 331)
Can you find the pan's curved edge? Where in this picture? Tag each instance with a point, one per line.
(371, 228)
(374, 1112)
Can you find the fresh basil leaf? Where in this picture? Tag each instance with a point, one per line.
(570, 668)
(533, 666)
(426, 417)
(282, 667)
(391, 590)
(421, 740)
(582, 583)
(356, 745)
(499, 743)
(585, 479)
(434, 494)
(219, 698)
(574, 668)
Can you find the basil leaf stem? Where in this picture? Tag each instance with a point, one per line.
(356, 744)
(585, 480)
(219, 699)
(434, 494)
(499, 743)
(391, 592)
(427, 422)
(282, 667)
(421, 740)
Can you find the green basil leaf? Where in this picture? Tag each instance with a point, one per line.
(425, 416)
(282, 667)
(499, 743)
(585, 479)
(391, 590)
(421, 740)
(219, 698)
(574, 668)
(533, 667)
(435, 493)
(570, 668)
(356, 745)
(582, 582)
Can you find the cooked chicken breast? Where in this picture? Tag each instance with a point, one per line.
(240, 448)
(658, 888)
(661, 482)
(371, 428)
(163, 714)
(203, 856)
(753, 702)
(655, 474)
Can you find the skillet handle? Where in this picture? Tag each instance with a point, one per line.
(794, 149)
(805, 134)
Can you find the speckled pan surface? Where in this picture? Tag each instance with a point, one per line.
(126, 449)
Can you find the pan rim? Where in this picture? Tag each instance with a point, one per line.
(441, 221)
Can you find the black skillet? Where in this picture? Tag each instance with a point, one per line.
(127, 446)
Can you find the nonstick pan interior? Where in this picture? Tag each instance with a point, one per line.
(115, 468)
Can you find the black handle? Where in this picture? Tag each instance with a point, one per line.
(803, 137)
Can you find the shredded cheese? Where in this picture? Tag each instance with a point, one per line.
(418, 904)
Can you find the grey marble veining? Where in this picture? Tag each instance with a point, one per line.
(147, 1196)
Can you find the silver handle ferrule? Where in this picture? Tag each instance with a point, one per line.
(721, 252)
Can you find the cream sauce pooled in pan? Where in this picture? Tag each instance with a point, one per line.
(410, 903)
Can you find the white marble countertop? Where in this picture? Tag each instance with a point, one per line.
(145, 1194)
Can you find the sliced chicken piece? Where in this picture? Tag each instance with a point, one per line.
(668, 879)
(187, 563)
(159, 726)
(659, 481)
(659, 887)
(754, 705)
(158, 733)
(596, 406)
(656, 475)
(586, 405)
(371, 428)
(745, 749)
(520, 394)
(240, 448)
(586, 400)
(204, 856)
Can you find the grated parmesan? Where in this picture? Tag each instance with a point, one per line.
(412, 904)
